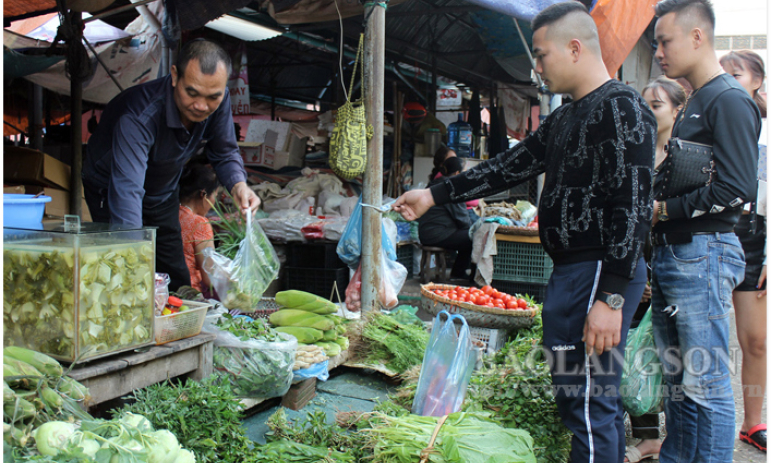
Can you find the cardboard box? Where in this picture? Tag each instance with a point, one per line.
(260, 153)
(59, 206)
(32, 167)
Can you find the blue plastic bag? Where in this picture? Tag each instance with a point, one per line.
(349, 246)
(447, 368)
(319, 371)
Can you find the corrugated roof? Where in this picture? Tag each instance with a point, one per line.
(21, 8)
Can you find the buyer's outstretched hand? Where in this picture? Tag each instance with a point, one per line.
(245, 198)
(414, 203)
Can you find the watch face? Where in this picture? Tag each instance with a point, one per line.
(616, 301)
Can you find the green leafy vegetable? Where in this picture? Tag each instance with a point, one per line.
(398, 346)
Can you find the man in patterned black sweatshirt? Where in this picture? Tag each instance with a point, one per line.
(594, 214)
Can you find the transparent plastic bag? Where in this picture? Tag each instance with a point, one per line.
(447, 368)
(642, 376)
(392, 275)
(349, 246)
(255, 368)
(240, 282)
(319, 371)
(353, 292)
(161, 291)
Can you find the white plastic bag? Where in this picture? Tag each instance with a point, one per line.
(240, 282)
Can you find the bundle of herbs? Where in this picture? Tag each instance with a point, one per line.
(204, 416)
(463, 437)
(517, 389)
(318, 437)
(395, 345)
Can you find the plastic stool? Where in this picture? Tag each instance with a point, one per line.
(432, 274)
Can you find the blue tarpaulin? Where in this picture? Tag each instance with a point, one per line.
(520, 9)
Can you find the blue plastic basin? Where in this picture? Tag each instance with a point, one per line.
(24, 211)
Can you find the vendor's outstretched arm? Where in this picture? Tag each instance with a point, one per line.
(245, 197)
(414, 203)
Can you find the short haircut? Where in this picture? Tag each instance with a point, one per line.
(583, 27)
(207, 53)
(700, 10)
(751, 62)
(197, 177)
(672, 89)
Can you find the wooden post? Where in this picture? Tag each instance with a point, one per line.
(373, 91)
(76, 119)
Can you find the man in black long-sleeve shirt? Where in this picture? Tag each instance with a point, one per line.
(697, 259)
(594, 213)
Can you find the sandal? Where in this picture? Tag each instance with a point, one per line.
(633, 455)
(756, 436)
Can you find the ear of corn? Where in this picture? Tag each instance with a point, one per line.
(330, 348)
(293, 298)
(330, 335)
(343, 342)
(303, 334)
(40, 361)
(51, 397)
(19, 409)
(8, 394)
(72, 389)
(291, 317)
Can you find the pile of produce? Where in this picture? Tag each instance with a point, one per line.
(310, 440)
(385, 341)
(307, 355)
(114, 312)
(488, 296)
(309, 318)
(517, 390)
(256, 360)
(130, 438)
(35, 391)
(174, 305)
(463, 437)
(204, 416)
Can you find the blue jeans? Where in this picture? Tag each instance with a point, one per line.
(692, 285)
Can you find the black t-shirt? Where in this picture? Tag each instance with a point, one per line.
(597, 154)
(721, 114)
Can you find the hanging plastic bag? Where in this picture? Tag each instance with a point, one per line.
(353, 292)
(392, 275)
(642, 378)
(255, 368)
(348, 143)
(447, 368)
(240, 282)
(349, 246)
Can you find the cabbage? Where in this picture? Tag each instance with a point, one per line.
(85, 444)
(53, 436)
(185, 456)
(137, 421)
(165, 449)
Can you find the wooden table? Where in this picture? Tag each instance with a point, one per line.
(117, 376)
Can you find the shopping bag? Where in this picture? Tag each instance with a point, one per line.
(348, 143)
(241, 281)
(447, 367)
(642, 377)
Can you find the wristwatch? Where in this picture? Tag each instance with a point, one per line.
(614, 301)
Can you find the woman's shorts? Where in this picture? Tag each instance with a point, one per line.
(754, 245)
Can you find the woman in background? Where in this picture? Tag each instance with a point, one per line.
(442, 154)
(447, 226)
(198, 188)
(750, 296)
(665, 97)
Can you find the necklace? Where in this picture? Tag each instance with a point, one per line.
(693, 93)
(187, 207)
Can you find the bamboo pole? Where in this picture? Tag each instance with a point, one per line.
(373, 91)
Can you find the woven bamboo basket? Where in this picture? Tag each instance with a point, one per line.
(523, 231)
(475, 315)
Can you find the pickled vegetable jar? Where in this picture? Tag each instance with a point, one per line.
(78, 295)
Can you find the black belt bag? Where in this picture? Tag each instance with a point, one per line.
(687, 167)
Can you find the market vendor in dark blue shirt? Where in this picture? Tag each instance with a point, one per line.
(146, 135)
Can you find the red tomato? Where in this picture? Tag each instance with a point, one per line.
(522, 303)
(511, 304)
(458, 289)
(452, 295)
(473, 298)
(487, 290)
(489, 304)
(483, 300)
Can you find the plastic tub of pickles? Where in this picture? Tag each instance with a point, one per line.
(78, 296)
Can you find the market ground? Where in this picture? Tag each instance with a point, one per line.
(359, 390)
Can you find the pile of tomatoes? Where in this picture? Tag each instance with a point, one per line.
(487, 296)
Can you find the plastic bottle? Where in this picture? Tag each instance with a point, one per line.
(460, 137)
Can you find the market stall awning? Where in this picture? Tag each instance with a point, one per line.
(13, 9)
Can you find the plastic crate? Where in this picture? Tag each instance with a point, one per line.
(176, 326)
(316, 280)
(404, 255)
(313, 255)
(494, 339)
(523, 262)
(535, 290)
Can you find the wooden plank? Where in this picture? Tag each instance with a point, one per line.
(205, 362)
(118, 384)
(518, 238)
(97, 368)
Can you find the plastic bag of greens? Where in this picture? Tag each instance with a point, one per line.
(240, 282)
(642, 377)
(349, 246)
(255, 359)
(447, 367)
